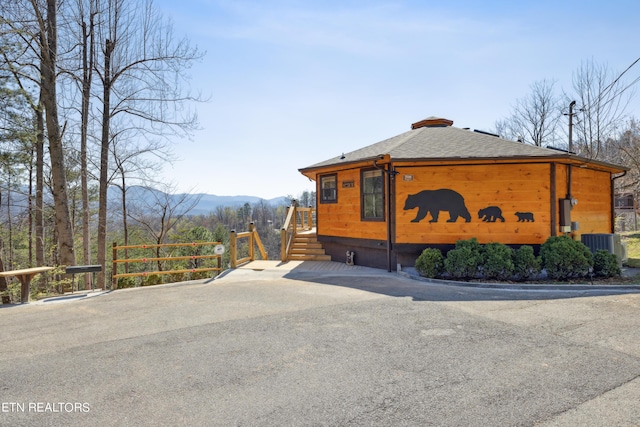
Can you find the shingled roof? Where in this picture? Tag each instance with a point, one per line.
(435, 139)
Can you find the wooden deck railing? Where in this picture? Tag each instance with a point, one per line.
(298, 219)
(254, 239)
(155, 260)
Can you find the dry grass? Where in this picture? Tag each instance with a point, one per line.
(632, 240)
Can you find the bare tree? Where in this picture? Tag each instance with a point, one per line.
(628, 147)
(133, 163)
(19, 60)
(82, 28)
(535, 118)
(141, 70)
(601, 101)
(48, 36)
(158, 212)
(32, 25)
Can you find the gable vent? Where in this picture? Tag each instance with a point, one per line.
(432, 122)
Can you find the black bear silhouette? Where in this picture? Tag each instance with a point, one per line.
(434, 201)
(491, 214)
(525, 217)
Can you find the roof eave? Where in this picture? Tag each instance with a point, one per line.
(311, 171)
(571, 159)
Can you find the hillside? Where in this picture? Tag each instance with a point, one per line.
(207, 202)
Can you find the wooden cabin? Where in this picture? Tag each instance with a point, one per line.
(437, 184)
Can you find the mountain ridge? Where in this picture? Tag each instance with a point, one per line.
(207, 203)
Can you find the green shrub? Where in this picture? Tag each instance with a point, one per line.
(197, 275)
(176, 277)
(526, 264)
(605, 264)
(462, 262)
(127, 282)
(565, 258)
(151, 279)
(497, 261)
(430, 263)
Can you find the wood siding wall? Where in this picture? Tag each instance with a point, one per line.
(343, 219)
(523, 188)
(592, 190)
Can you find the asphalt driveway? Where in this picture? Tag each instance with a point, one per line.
(305, 346)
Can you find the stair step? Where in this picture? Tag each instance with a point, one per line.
(307, 251)
(306, 239)
(314, 245)
(305, 247)
(301, 257)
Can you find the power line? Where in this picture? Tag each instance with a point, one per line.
(598, 101)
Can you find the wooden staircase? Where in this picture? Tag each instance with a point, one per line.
(305, 247)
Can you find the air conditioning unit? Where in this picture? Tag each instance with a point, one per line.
(609, 242)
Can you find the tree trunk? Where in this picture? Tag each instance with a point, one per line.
(125, 223)
(87, 67)
(9, 220)
(56, 152)
(104, 164)
(39, 220)
(3, 280)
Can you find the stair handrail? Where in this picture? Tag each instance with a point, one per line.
(288, 231)
(298, 219)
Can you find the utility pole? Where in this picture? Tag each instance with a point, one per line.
(571, 105)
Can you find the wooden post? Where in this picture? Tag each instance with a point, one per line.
(283, 244)
(258, 242)
(252, 230)
(294, 205)
(114, 268)
(233, 249)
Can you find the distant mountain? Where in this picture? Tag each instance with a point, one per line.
(207, 203)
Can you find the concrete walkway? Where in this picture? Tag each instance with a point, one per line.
(326, 266)
(331, 267)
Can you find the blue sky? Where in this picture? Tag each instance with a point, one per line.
(293, 83)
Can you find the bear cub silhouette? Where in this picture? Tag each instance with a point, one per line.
(491, 214)
(525, 217)
(434, 201)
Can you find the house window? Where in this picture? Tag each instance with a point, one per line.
(372, 187)
(328, 189)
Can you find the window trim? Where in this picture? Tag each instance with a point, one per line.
(335, 189)
(382, 193)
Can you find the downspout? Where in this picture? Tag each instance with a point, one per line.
(553, 200)
(390, 174)
(613, 201)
